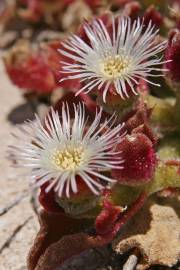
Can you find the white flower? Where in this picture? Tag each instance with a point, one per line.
(61, 149)
(117, 60)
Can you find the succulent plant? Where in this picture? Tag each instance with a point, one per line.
(112, 141)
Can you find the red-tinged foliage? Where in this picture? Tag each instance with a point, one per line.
(173, 53)
(70, 98)
(139, 160)
(38, 71)
(52, 57)
(47, 200)
(73, 84)
(112, 98)
(53, 226)
(132, 9)
(153, 15)
(83, 191)
(146, 130)
(32, 74)
(54, 244)
(138, 117)
(107, 218)
(142, 87)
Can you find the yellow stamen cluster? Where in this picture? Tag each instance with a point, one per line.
(68, 159)
(115, 66)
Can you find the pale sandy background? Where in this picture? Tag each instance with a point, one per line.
(18, 225)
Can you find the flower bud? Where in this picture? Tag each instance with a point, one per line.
(139, 160)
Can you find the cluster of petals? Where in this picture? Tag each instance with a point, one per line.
(115, 56)
(62, 149)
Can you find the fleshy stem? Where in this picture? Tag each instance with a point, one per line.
(124, 218)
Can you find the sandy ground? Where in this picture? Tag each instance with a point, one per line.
(18, 223)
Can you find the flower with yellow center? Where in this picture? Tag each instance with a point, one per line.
(118, 57)
(61, 149)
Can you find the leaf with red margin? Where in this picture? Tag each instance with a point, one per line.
(51, 249)
(53, 226)
(32, 74)
(47, 200)
(153, 15)
(108, 216)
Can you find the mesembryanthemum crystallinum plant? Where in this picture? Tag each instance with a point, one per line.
(85, 161)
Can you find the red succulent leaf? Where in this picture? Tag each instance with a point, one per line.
(32, 74)
(113, 98)
(137, 118)
(142, 87)
(173, 53)
(51, 249)
(146, 130)
(49, 203)
(70, 98)
(73, 84)
(139, 160)
(107, 218)
(52, 227)
(83, 190)
(153, 15)
(52, 57)
(47, 200)
(132, 9)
